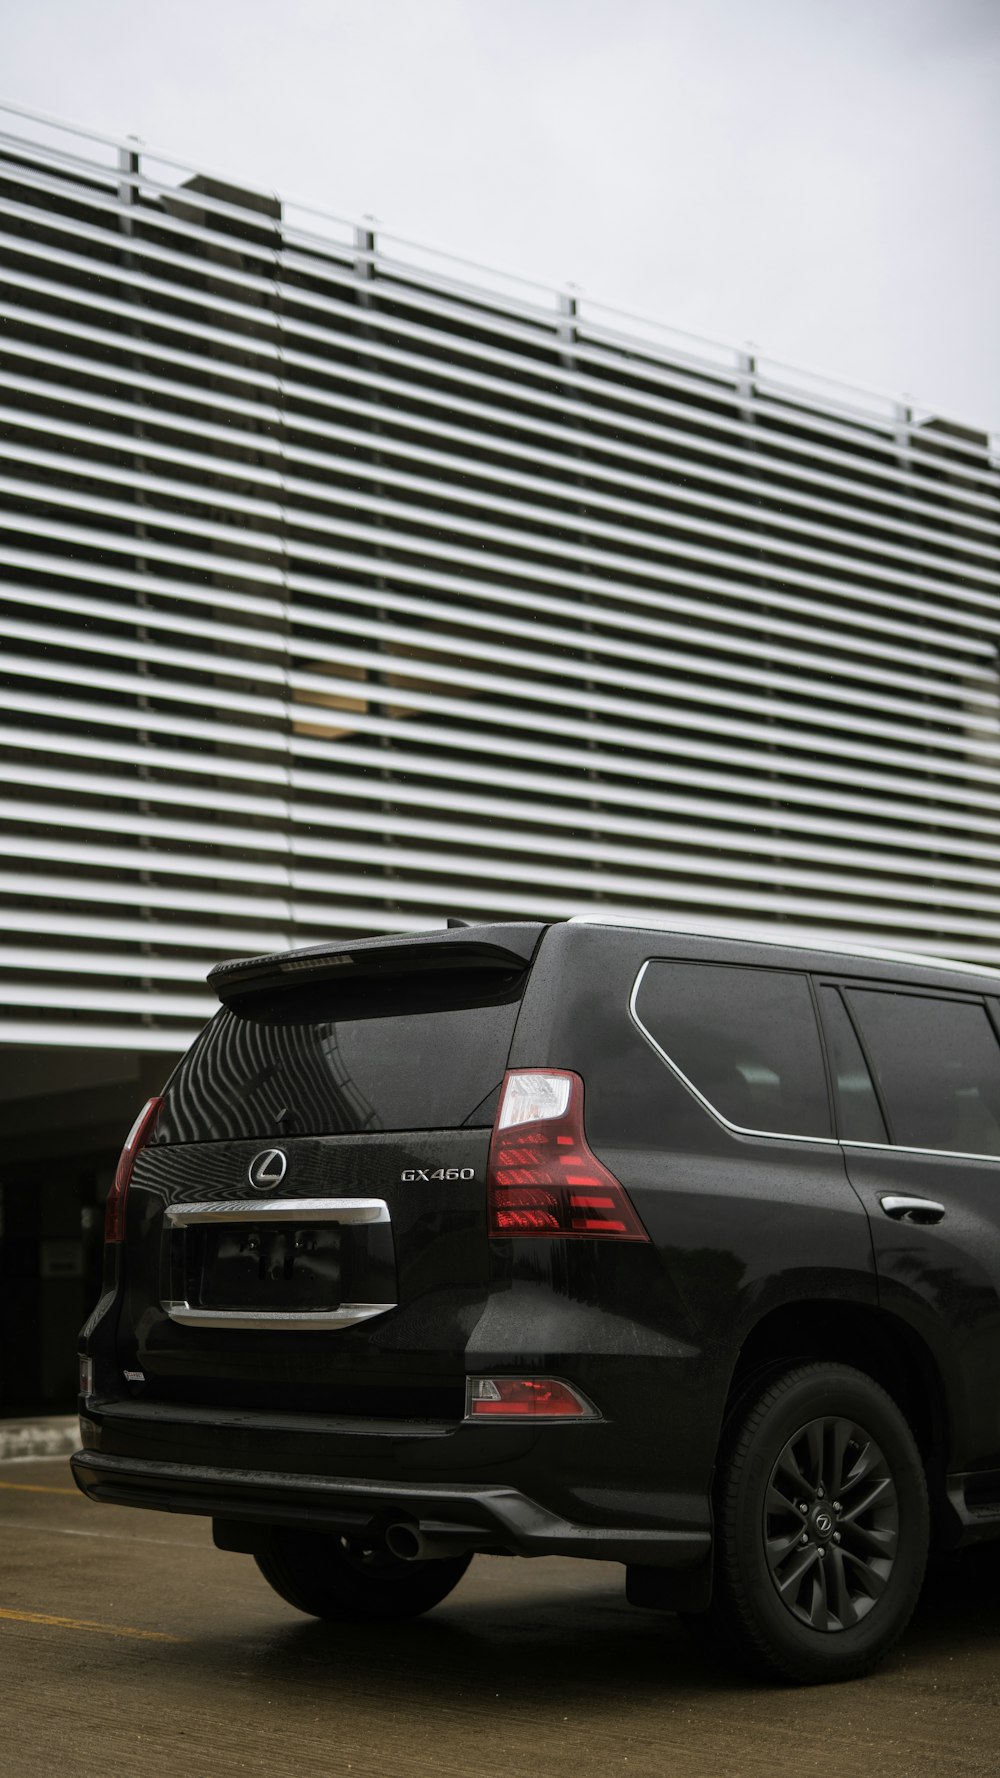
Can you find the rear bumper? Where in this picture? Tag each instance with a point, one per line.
(489, 1488)
(491, 1517)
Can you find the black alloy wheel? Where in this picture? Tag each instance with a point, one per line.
(831, 1524)
(349, 1579)
(823, 1526)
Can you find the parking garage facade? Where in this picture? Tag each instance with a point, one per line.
(346, 587)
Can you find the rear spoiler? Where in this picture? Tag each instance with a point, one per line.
(503, 948)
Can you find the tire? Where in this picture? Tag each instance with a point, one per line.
(346, 1580)
(822, 1527)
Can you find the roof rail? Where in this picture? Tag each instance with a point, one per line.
(769, 935)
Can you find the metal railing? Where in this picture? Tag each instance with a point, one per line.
(365, 241)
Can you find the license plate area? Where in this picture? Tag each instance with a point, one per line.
(296, 1263)
(277, 1265)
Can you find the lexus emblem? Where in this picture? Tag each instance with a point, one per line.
(267, 1169)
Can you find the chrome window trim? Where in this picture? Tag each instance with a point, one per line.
(781, 1135)
(720, 1118)
(948, 1154)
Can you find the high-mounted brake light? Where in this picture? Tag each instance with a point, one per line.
(136, 1140)
(543, 1178)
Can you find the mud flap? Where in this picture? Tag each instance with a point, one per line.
(669, 1589)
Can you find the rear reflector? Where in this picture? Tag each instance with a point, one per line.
(136, 1140)
(525, 1398)
(543, 1179)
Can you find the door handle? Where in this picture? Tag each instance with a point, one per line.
(911, 1209)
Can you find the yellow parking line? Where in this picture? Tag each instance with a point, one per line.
(41, 1529)
(37, 1488)
(74, 1623)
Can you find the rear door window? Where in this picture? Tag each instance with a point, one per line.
(408, 1053)
(746, 1039)
(938, 1066)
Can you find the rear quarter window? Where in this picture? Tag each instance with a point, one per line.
(746, 1039)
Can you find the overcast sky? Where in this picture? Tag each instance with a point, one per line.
(818, 176)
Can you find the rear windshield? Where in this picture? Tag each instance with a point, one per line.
(411, 1053)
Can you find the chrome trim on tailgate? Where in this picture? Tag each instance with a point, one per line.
(352, 1210)
(242, 1210)
(291, 1320)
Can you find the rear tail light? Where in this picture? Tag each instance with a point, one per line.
(136, 1140)
(525, 1398)
(543, 1179)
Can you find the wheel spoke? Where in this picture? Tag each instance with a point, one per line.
(814, 1445)
(869, 1577)
(788, 1465)
(874, 1540)
(783, 1505)
(842, 1606)
(880, 1488)
(868, 1459)
(839, 1441)
(797, 1570)
(778, 1548)
(818, 1611)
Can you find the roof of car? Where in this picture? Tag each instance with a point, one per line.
(785, 939)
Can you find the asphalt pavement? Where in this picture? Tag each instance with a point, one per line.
(130, 1646)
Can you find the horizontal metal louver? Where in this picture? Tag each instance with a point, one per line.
(345, 588)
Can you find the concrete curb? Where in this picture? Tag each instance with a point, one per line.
(56, 1436)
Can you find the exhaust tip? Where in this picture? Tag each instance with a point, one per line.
(403, 1541)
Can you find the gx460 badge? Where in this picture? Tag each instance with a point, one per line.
(410, 1173)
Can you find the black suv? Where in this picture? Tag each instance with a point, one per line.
(586, 1239)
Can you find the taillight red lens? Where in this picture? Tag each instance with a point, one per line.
(543, 1179)
(525, 1398)
(135, 1142)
